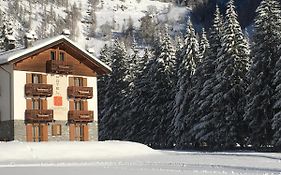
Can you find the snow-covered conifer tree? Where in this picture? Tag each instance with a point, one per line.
(198, 81)
(203, 130)
(229, 92)
(115, 92)
(189, 55)
(265, 53)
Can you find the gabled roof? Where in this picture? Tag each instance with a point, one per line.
(21, 53)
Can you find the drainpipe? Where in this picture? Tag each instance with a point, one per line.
(10, 82)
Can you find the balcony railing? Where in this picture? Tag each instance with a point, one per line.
(80, 92)
(80, 116)
(58, 67)
(45, 90)
(35, 115)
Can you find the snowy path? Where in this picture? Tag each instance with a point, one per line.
(149, 162)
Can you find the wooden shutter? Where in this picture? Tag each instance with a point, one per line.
(29, 133)
(44, 132)
(71, 105)
(85, 132)
(28, 103)
(71, 81)
(44, 104)
(85, 105)
(71, 132)
(28, 78)
(85, 82)
(44, 79)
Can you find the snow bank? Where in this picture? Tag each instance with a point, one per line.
(71, 151)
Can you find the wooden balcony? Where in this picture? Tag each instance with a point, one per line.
(80, 116)
(43, 90)
(80, 92)
(58, 67)
(34, 115)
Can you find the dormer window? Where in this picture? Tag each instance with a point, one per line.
(53, 55)
(61, 56)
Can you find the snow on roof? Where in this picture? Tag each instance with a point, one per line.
(66, 32)
(10, 37)
(11, 55)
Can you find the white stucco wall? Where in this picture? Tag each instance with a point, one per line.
(19, 96)
(60, 84)
(5, 94)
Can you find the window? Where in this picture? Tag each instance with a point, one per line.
(56, 130)
(78, 105)
(36, 78)
(61, 58)
(53, 55)
(37, 104)
(37, 133)
(78, 81)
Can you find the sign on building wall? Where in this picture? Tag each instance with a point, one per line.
(58, 95)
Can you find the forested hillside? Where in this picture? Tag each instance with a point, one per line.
(215, 92)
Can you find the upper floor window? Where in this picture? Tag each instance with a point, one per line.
(61, 56)
(78, 81)
(37, 104)
(53, 55)
(36, 78)
(78, 105)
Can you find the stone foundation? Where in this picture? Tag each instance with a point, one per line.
(15, 130)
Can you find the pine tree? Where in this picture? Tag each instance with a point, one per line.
(265, 52)
(162, 82)
(204, 130)
(198, 81)
(232, 65)
(115, 93)
(105, 56)
(189, 55)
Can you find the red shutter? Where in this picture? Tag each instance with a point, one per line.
(44, 79)
(28, 103)
(71, 81)
(44, 132)
(85, 82)
(85, 105)
(29, 133)
(71, 105)
(44, 104)
(28, 78)
(71, 132)
(85, 132)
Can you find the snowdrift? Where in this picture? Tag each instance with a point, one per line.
(71, 151)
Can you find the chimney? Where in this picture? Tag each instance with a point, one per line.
(29, 39)
(66, 32)
(10, 42)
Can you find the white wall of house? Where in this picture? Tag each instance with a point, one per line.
(60, 84)
(5, 89)
(19, 94)
(93, 103)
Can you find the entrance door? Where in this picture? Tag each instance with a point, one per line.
(36, 132)
(78, 132)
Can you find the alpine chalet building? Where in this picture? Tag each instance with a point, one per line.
(48, 91)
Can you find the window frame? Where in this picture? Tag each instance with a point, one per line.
(53, 55)
(40, 79)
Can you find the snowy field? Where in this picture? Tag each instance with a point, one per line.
(126, 158)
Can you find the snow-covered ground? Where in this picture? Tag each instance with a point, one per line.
(127, 158)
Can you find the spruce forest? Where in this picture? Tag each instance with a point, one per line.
(216, 89)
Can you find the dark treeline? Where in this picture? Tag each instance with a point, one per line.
(211, 92)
